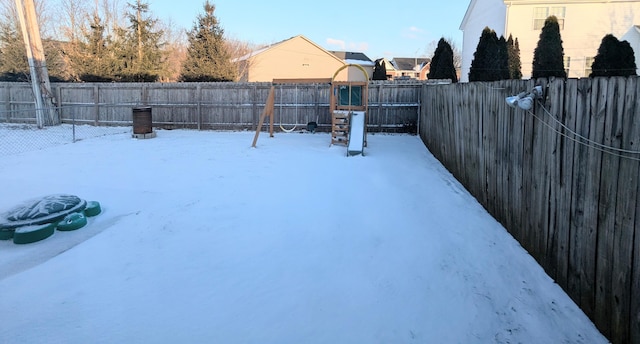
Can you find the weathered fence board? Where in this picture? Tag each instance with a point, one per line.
(556, 179)
(623, 134)
(564, 165)
(600, 206)
(631, 142)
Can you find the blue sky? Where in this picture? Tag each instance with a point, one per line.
(379, 29)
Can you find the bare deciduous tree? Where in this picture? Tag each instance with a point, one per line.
(238, 49)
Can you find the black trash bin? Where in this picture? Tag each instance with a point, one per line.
(142, 120)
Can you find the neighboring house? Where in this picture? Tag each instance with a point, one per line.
(633, 37)
(356, 58)
(404, 68)
(583, 24)
(294, 58)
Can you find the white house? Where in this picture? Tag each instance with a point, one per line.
(583, 24)
(633, 37)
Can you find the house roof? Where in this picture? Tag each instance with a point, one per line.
(472, 4)
(350, 57)
(271, 46)
(409, 63)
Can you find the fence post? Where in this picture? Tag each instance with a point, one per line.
(420, 97)
(316, 100)
(254, 106)
(379, 105)
(144, 94)
(7, 103)
(58, 101)
(96, 107)
(199, 107)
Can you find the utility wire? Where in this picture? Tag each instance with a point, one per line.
(585, 138)
(590, 143)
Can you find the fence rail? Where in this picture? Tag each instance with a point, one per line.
(563, 179)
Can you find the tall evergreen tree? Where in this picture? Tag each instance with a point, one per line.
(615, 58)
(513, 52)
(379, 70)
(90, 56)
(13, 60)
(548, 57)
(489, 60)
(139, 46)
(502, 59)
(442, 63)
(208, 58)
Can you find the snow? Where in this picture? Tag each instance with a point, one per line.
(203, 239)
(363, 63)
(43, 209)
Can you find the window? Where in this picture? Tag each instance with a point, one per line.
(355, 97)
(540, 14)
(567, 64)
(588, 61)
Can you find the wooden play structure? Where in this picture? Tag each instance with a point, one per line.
(348, 98)
(348, 105)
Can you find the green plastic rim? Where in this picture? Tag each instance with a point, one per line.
(92, 209)
(30, 234)
(6, 234)
(72, 222)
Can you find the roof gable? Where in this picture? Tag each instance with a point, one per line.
(285, 42)
(467, 14)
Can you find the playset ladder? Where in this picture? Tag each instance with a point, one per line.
(339, 127)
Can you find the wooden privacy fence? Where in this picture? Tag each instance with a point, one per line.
(393, 106)
(562, 178)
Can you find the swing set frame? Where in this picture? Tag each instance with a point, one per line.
(270, 104)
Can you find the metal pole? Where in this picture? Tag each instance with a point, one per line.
(73, 125)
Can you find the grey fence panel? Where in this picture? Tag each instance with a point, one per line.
(556, 178)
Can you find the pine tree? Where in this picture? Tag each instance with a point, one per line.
(13, 60)
(489, 59)
(442, 63)
(90, 57)
(502, 59)
(513, 52)
(208, 58)
(379, 70)
(615, 58)
(548, 57)
(139, 48)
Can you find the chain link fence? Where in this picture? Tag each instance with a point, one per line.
(17, 138)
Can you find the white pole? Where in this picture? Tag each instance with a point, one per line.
(35, 84)
(40, 62)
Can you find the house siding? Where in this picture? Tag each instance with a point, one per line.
(585, 24)
(633, 37)
(296, 58)
(481, 14)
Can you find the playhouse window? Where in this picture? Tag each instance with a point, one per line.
(356, 95)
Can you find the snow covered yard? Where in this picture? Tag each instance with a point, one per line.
(204, 239)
